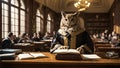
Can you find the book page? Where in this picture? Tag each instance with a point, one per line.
(73, 51)
(90, 56)
(37, 55)
(25, 56)
(30, 55)
(61, 51)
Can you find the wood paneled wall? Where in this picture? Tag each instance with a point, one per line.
(115, 15)
(97, 22)
(115, 12)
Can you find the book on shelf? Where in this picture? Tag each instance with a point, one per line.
(30, 56)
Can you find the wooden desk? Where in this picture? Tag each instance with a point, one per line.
(51, 62)
(24, 46)
(106, 49)
(99, 41)
(39, 46)
(47, 44)
(97, 46)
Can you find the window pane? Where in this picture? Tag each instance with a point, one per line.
(38, 13)
(14, 2)
(22, 21)
(12, 15)
(5, 6)
(4, 20)
(12, 28)
(38, 23)
(49, 18)
(48, 23)
(22, 4)
(22, 12)
(6, 13)
(6, 27)
(12, 9)
(48, 26)
(16, 16)
(14, 20)
(16, 10)
(5, 35)
(2, 5)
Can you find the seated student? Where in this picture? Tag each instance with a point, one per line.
(39, 35)
(8, 42)
(15, 39)
(23, 38)
(106, 34)
(46, 36)
(35, 37)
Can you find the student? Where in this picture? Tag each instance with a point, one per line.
(15, 39)
(8, 42)
(35, 37)
(39, 36)
(23, 38)
(46, 36)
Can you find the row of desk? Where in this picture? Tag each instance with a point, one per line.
(104, 46)
(43, 45)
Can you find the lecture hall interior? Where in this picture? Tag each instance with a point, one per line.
(59, 33)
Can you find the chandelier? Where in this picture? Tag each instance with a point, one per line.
(82, 5)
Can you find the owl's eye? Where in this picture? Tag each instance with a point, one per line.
(66, 19)
(72, 19)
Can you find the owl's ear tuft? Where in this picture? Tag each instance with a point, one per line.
(63, 13)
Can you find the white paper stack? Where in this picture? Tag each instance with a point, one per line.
(90, 56)
(30, 56)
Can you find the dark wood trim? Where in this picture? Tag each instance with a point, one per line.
(0, 21)
(19, 18)
(9, 16)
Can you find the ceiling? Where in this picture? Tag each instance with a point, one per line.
(97, 6)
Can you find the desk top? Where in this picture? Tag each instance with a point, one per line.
(50, 59)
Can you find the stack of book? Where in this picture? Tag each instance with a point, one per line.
(67, 54)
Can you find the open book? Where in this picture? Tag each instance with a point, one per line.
(66, 51)
(90, 56)
(30, 55)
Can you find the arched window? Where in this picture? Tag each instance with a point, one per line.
(4, 18)
(49, 23)
(22, 17)
(14, 17)
(38, 21)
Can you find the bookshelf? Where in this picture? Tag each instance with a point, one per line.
(96, 22)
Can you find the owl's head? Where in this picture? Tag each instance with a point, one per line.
(71, 21)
